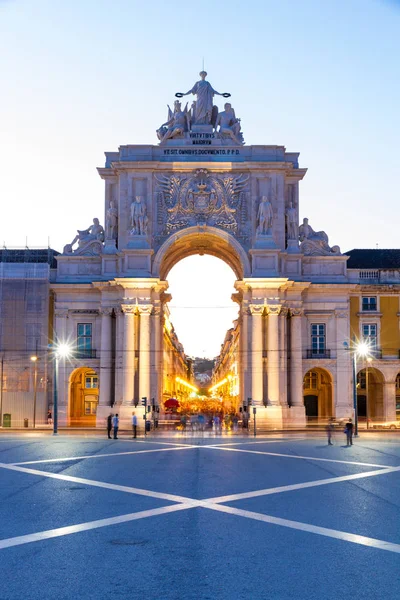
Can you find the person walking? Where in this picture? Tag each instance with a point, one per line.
(134, 425)
(49, 417)
(109, 425)
(115, 422)
(329, 431)
(349, 432)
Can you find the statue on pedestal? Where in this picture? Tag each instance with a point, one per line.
(314, 243)
(176, 125)
(291, 223)
(86, 237)
(139, 218)
(112, 222)
(228, 124)
(205, 93)
(265, 217)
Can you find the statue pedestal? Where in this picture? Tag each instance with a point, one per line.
(110, 247)
(293, 247)
(202, 129)
(138, 241)
(265, 241)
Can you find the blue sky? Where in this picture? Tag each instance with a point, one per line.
(82, 77)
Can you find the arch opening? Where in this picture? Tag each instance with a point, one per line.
(83, 397)
(318, 394)
(370, 395)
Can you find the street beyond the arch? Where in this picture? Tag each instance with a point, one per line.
(280, 517)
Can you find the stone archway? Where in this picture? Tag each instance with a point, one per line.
(370, 394)
(318, 394)
(83, 397)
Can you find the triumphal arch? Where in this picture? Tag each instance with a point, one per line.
(199, 189)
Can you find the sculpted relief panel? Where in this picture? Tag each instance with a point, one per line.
(203, 198)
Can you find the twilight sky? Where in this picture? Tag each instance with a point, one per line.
(79, 78)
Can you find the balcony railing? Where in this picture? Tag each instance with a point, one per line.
(375, 353)
(84, 353)
(318, 353)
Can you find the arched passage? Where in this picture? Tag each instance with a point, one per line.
(201, 240)
(83, 397)
(370, 403)
(318, 394)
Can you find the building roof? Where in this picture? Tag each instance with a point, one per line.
(373, 258)
(29, 255)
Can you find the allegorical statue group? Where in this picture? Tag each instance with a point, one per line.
(202, 112)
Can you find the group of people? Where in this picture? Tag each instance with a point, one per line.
(215, 422)
(348, 430)
(113, 425)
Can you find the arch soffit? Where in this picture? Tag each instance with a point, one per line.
(322, 371)
(78, 371)
(378, 375)
(201, 240)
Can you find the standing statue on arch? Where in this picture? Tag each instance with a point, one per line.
(203, 109)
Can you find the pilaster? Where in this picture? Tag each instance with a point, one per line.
(273, 354)
(256, 311)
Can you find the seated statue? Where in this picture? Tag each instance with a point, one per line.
(228, 124)
(176, 125)
(84, 236)
(315, 242)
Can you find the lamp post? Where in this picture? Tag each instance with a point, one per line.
(61, 350)
(34, 359)
(359, 349)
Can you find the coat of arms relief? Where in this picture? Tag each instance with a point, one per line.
(201, 198)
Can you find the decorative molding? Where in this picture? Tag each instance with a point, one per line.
(257, 309)
(106, 311)
(129, 309)
(341, 314)
(84, 311)
(284, 311)
(61, 313)
(296, 312)
(274, 309)
(145, 309)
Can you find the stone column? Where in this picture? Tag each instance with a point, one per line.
(273, 355)
(128, 367)
(283, 379)
(156, 370)
(60, 325)
(296, 361)
(64, 370)
(389, 400)
(256, 311)
(245, 384)
(343, 390)
(105, 357)
(144, 351)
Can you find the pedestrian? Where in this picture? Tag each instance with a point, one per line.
(115, 422)
(49, 417)
(349, 432)
(109, 425)
(329, 431)
(134, 425)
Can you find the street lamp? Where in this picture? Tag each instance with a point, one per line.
(61, 350)
(34, 359)
(359, 349)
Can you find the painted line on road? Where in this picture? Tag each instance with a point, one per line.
(331, 533)
(71, 458)
(61, 531)
(101, 484)
(301, 486)
(332, 460)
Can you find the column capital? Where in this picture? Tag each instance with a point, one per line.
(128, 309)
(61, 312)
(284, 311)
(145, 309)
(106, 311)
(341, 314)
(157, 311)
(296, 312)
(274, 309)
(256, 309)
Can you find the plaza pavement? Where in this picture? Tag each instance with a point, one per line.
(181, 517)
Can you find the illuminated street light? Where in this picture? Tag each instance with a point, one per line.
(34, 359)
(362, 349)
(61, 350)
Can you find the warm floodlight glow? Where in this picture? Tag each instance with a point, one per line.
(34, 358)
(217, 385)
(187, 384)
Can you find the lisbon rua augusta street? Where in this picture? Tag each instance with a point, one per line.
(199, 189)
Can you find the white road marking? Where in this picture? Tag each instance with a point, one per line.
(101, 484)
(61, 531)
(71, 458)
(332, 460)
(332, 533)
(301, 486)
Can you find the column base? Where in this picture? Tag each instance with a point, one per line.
(297, 416)
(280, 417)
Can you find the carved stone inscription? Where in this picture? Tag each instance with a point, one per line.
(201, 198)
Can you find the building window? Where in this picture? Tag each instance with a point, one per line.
(362, 380)
(91, 382)
(369, 333)
(318, 338)
(398, 384)
(33, 334)
(84, 338)
(311, 381)
(368, 303)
